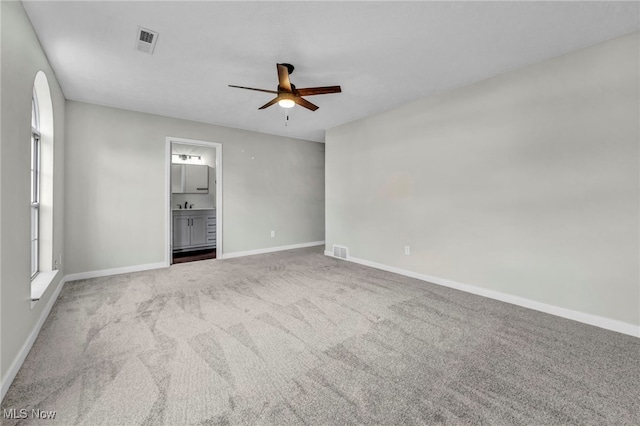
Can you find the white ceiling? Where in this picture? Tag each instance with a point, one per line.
(383, 54)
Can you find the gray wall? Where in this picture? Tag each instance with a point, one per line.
(526, 183)
(22, 58)
(115, 187)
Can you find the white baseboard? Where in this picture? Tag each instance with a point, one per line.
(595, 320)
(114, 271)
(270, 249)
(24, 350)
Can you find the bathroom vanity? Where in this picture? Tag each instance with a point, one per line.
(194, 229)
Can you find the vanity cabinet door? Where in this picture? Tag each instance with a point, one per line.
(196, 179)
(181, 231)
(198, 230)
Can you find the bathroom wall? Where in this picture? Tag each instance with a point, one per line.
(208, 158)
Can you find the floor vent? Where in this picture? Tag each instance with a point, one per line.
(146, 40)
(340, 252)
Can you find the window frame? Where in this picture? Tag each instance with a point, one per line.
(36, 139)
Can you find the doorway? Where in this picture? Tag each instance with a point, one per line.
(193, 191)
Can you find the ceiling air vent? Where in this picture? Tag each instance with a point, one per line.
(146, 40)
(340, 252)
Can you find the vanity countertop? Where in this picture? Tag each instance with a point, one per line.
(195, 208)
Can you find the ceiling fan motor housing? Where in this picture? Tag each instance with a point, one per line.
(286, 95)
(283, 90)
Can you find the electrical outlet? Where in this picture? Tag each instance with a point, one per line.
(273, 234)
(407, 250)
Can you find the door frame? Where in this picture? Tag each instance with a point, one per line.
(167, 193)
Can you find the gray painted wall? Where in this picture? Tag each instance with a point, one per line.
(115, 187)
(22, 58)
(526, 183)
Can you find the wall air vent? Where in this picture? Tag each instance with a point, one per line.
(340, 252)
(146, 40)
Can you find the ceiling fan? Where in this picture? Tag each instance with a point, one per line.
(288, 95)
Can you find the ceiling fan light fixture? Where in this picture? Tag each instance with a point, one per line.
(286, 103)
(287, 96)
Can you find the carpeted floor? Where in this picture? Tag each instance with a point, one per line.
(299, 338)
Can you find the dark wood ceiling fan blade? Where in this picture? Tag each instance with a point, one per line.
(251, 88)
(271, 102)
(305, 103)
(310, 91)
(283, 78)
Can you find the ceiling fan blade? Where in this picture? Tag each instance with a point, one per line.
(305, 103)
(251, 88)
(309, 91)
(271, 102)
(283, 78)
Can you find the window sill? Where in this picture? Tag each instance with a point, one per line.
(40, 283)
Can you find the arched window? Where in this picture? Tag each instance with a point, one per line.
(41, 197)
(35, 184)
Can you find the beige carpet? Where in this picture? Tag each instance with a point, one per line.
(299, 338)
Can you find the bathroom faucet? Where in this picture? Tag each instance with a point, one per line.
(186, 205)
